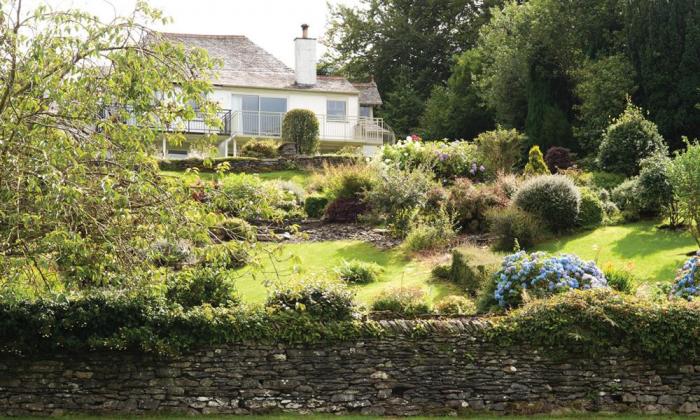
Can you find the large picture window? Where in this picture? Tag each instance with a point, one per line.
(262, 115)
(336, 110)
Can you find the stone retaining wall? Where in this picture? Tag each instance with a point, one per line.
(254, 165)
(447, 370)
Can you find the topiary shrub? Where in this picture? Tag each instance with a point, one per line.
(344, 210)
(234, 229)
(402, 301)
(358, 272)
(592, 211)
(512, 226)
(535, 163)
(263, 149)
(300, 126)
(323, 300)
(558, 158)
(195, 287)
(539, 275)
(687, 283)
(455, 305)
(315, 205)
(628, 140)
(552, 198)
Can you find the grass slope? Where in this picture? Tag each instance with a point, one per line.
(650, 253)
(318, 259)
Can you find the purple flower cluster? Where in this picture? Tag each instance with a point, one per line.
(540, 274)
(686, 284)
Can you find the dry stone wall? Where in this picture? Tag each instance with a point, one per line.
(441, 372)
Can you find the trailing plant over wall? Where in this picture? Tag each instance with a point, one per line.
(300, 126)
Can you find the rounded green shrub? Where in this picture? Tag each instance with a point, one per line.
(455, 305)
(300, 126)
(552, 198)
(628, 140)
(315, 205)
(626, 198)
(358, 272)
(403, 301)
(195, 287)
(511, 226)
(322, 300)
(535, 163)
(263, 149)
(592, 210)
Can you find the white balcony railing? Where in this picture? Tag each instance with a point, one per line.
(346, 129)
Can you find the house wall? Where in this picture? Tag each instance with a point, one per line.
(311, 100)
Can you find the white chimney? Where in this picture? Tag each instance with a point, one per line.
(305, 58)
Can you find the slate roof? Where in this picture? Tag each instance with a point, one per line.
(369, 94)
(246, 64)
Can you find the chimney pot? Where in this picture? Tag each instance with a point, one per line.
(304, 31)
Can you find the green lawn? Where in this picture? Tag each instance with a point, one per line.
(318, 259)
(651, 254)
(297, 176)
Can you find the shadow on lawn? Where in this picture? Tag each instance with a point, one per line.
(645, 239)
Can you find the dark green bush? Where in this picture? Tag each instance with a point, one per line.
(321, 300)
(344, 210)
(315, 205)
(592, 322)
(358, 272)
(553, 198)
(115, 321)
(235, 229)
(300, 126)
(628, 140)
(513, 224)
(264, 149)
(592, 211)
(455, 305)
(195, 287)
(402, 301)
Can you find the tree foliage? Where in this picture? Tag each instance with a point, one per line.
(684, 174)
(80, 194)
(300, 126)
(397, 40)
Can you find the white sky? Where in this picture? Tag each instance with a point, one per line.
(272, 24)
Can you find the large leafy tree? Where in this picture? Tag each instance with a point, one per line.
(395, 40)
(81, 198)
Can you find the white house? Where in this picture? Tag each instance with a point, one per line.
(255, 90)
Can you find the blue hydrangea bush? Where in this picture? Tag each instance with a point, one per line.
(686, 285)
(540, 274)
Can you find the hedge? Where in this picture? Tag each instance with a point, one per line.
(585, 323)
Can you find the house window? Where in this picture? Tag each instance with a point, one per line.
(262, 115)
(365, 111)
(336, 110)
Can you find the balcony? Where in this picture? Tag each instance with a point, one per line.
(331, 128)
(196, 125)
